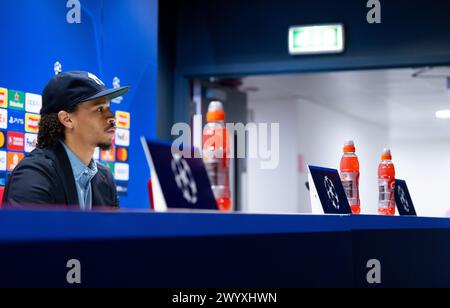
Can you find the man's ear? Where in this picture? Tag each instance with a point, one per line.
(65, 119)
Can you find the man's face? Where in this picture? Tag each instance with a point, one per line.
(94, 123)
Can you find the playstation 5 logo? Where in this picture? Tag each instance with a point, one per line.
(14, 120)
(74, 14)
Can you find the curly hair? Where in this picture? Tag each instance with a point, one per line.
(51, 130)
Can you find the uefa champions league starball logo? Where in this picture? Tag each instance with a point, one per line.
(403, 200)
(331, 193)
(57, 67)
(116, 82)
(116, 85)
(184, 179)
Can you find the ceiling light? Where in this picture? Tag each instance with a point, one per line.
(443, 114)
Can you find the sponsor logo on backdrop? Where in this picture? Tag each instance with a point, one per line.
(16, 100)
(109, 165)
(122, 154)
(3, 158)
(122, 137)
(3, 98)
(2, 140)
(33, 103)
(16, 141)
(32, 122)
(108, 155)
(121, 172)
(16, 120)
(3, 118)
(30, 142)
(13, 160)
(123, 119)
(122, 188)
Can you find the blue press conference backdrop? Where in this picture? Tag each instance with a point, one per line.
(115, 38)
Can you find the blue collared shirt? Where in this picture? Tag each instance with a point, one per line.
(83, 175)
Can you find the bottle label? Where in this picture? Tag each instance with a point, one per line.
(386, 193)
(215, 144)
(215, 156)
(350, 181)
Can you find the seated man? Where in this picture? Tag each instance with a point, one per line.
(75, 119)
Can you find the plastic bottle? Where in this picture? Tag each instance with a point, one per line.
(350, 176)
(386, 184)
(216, 154)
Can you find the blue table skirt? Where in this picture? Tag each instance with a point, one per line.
(185, 250)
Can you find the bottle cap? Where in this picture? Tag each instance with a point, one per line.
(386, 154)
(349, 146)
(215, 112)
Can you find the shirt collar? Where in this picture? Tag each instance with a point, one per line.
(78, 167)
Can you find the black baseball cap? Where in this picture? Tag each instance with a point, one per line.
(68, 89)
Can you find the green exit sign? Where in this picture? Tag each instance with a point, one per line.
(316, 39)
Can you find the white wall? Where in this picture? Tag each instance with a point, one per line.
(318, 134)
(425, 165)
(274, 191)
